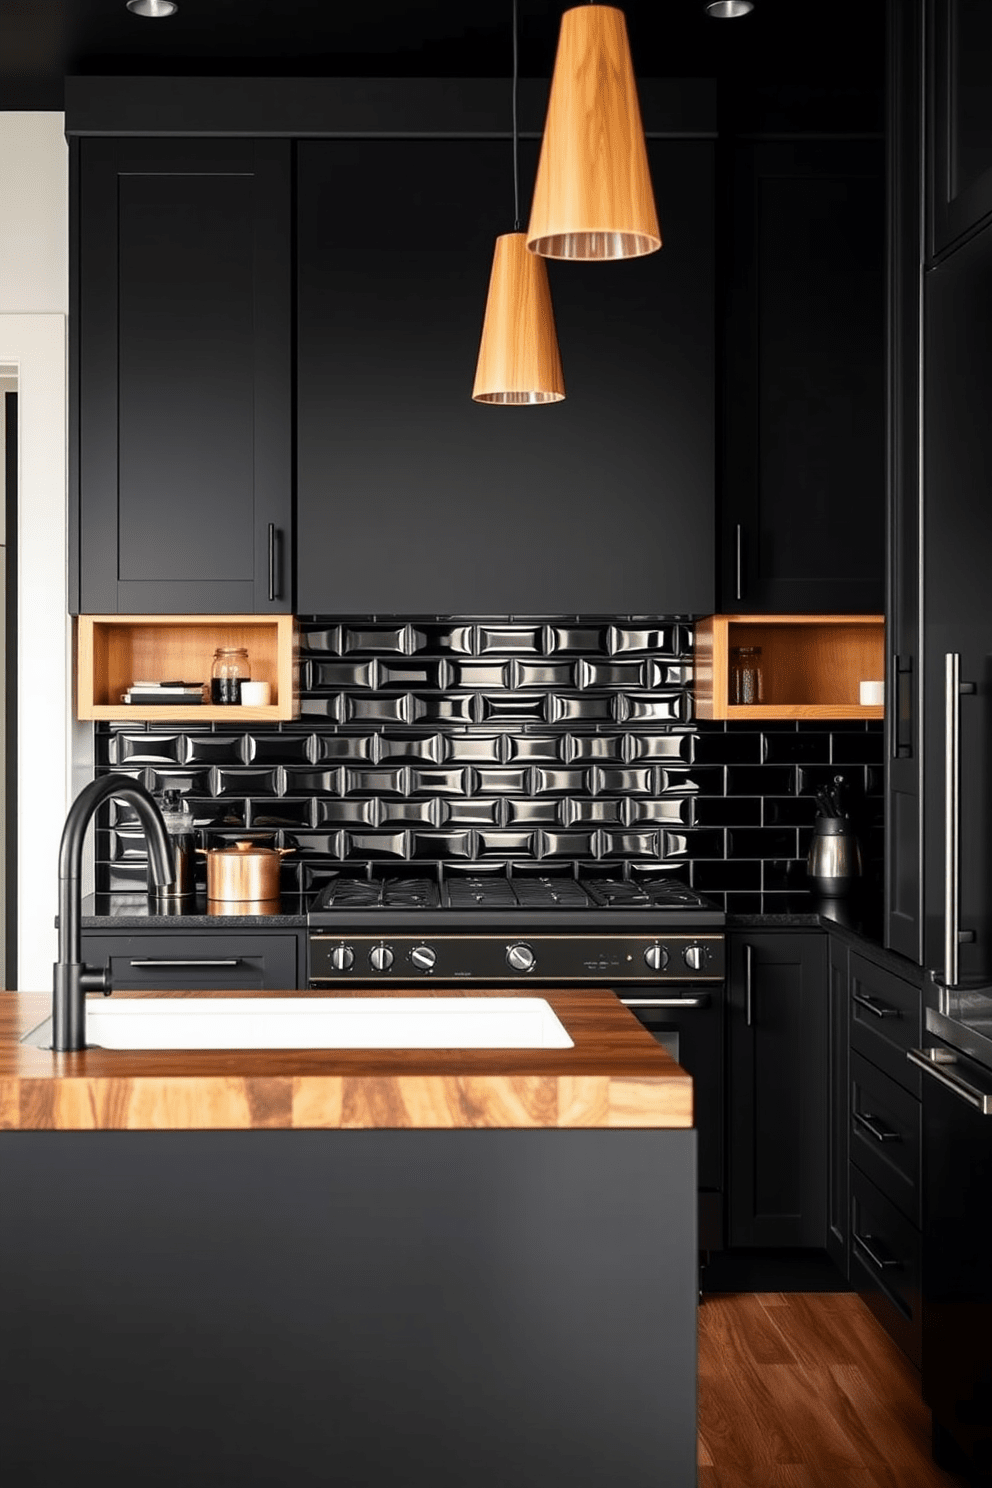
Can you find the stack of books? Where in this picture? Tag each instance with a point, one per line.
(163, 693)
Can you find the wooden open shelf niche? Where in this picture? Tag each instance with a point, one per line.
(112, 651)
(811, 665)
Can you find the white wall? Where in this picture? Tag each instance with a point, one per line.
(33, 313)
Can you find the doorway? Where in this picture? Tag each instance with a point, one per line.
(8, 675)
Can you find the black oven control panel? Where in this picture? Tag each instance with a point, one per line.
(498, 958)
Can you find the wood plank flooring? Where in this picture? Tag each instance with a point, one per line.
(806, 1390)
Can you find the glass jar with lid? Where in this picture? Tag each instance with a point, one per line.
(745, 675)
(231, 667)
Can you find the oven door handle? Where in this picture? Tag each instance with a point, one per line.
(702, 1000)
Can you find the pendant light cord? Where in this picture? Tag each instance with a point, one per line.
(516, 167)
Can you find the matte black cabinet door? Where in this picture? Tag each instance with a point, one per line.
(960, 117)
(414, 499)
(182, 377)
(957, 541)
(803, 509)
(778, 1089)
(839, 1106)
(214, 960)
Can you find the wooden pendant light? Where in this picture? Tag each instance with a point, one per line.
(593, 197)
(519, 360)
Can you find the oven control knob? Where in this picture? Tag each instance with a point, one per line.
(342, 958)
(693, 957)
(423, 957)
(520, 957)
(656, 957)
(380, 958)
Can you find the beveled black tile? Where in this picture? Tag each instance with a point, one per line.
(510, 640)
(411, 676)
(812, 777)
(727, 811)
(567, 844)
(505, 844)
(673, 809)
(279, 749)
(699, 780)
(450, 708)
(394, 815)
(502, 782)
(795, 749)
(353, 813)
(607, 780)
(761, 842)
(558, 782)
(607, 749)
(392, 639)
(426, 749)
(659, 747)
(524, 813)
(211, 811)
(120, 878)
(458, 782)
(656, 707)
(761, 780)
(335, 676)
(247, 783)
(512, 707)
(318, 640)
(459, 639)
(534, 749)
(315, 844)
(600, 811)
(669, 674)
(130, 750)
(121, 846)
(360, 748)
(378, 708)
(280, 812)
(214, 749)
(473, 812)
(697, 842)
(582, 708)
(439, 845)
(628, 674)
(313, 782)
(476, 674)
(545, 674)
(591, 638)
(395, 781)
(630, 844)
(664, 640)
(731, 748)
(375, 845)
(330, 708)
(195, 781)
(476, 748)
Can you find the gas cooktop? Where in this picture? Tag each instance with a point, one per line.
(531, 895)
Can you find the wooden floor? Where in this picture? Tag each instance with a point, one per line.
(805, 1390)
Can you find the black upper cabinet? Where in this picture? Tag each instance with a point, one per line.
(181, 340)
(803, 508)
(778, 1089)
(412, 498)
(960, 118)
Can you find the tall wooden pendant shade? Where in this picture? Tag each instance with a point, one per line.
(519, 360)
(593, 196)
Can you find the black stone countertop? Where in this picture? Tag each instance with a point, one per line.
(138, 912)
(856, 921)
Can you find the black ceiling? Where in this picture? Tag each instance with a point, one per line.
(837, 44)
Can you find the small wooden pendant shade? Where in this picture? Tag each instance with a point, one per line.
(593, 197)
(518, 355)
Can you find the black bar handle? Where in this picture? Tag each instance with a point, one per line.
(875, 1128)
(272, 561)
(875, 1006)
(749, 984)
(739, 561)
(881, 1263)
(702, 1001)
(205, 961)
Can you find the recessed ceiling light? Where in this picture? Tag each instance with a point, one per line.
(155, 10)
(726, 10)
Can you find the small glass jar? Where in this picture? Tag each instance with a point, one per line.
(745, 675)
(231, 667)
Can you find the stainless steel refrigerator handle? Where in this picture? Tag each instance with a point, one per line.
(219, 961)
(934, 1062)
(749, 984)
(703, 1001)
(739, 562)
(952, 813)
(272, 560)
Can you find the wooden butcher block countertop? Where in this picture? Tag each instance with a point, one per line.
(615, 1076)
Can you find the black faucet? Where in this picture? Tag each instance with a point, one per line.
(72, 978)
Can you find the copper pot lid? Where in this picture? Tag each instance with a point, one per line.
(245, 849)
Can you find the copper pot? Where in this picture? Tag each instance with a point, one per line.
(243, 872)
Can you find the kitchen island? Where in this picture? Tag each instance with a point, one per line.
(362, 1266)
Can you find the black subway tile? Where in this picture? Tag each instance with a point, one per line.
(761, 842)
(434, 845)
(360, 748)
(700, 780)
(426, 749)
(214, 749)
(760, 780)
(470, 749)
(247, 783)
(785, 873)
(334, 813)
(675, 746)
(727, 811)
(313, 782)
(713, 875)
(858, 749)
(744, 903)
(279, 749)
(335, 676)
(796, 749)
(789, 811)
(279, 813)
(732, 748)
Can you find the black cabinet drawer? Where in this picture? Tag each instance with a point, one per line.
(886, 1020)
(885, 1263)
(885, 1135)
(178, 962)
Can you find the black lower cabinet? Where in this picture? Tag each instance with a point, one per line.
(884, 1143)
(838, 1126)
(778, 1031)
(216, 961)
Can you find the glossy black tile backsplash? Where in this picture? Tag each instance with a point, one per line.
(451, 740)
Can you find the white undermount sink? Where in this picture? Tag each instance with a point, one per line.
(325, 1023)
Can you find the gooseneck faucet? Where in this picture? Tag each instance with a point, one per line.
(72, 978)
